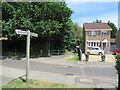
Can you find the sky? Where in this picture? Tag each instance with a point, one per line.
(85, 11)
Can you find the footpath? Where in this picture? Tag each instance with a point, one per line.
(95, 60)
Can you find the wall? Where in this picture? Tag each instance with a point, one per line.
(97, 37)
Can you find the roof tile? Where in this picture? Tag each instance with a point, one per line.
(96, 26)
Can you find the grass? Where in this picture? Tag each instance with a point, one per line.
(19, 83)
(74, 57)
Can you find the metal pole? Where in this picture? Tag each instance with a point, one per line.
(27, 55)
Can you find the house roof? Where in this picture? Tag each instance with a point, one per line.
(97, 26)
(105, 41)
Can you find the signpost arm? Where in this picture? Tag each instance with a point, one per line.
(27, 55)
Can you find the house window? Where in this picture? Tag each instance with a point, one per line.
(93, 32)
(103, 32)
(97, 44)
(89, 44)
(93, 44)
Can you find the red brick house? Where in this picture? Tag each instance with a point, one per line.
(96, 34)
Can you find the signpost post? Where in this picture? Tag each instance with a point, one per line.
(28, 33)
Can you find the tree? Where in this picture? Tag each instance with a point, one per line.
(47, 17)
(51, 20)
(114, 29)
(75, 36)
(97, 21)
(70, 36)
(78, 33)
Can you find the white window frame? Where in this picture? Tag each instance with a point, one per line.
(93, 44)
(93, 32)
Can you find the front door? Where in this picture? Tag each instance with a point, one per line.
(104, 46)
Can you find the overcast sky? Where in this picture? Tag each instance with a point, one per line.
(90, 11)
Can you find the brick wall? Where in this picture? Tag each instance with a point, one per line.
(96, 37)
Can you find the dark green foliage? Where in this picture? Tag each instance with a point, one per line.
(114, 29)
(117, 66)
(51, 20)
(97, 21)
(118, 63)
(46, 19)
(78, 33)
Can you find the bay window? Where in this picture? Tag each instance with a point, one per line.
(93, 44)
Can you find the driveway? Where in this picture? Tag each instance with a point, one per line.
(97, 58)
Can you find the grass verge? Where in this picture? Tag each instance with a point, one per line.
(73, 57)
(19, 83)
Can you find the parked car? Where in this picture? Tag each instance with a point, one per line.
(116, 50)
(95, 50)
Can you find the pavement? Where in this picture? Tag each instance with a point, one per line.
(57, 69)
(94, 61)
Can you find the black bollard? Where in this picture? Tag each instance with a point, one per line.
(79, 52)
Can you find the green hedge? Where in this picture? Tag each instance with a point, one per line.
(117, 66)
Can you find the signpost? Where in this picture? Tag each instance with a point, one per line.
(28, 33)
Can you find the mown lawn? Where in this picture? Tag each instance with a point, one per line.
(19, 83)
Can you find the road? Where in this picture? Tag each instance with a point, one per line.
(84, 72)
(105, 72)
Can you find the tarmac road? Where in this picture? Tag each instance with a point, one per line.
(104, 72)
(96, 72)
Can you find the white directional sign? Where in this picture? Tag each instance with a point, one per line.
(28, 33)
(21, 32)
(34, 34)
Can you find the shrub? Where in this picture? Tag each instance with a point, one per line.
(102, 55)
(86, 54)
(117, 66)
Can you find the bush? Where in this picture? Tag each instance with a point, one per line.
(117, 66)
